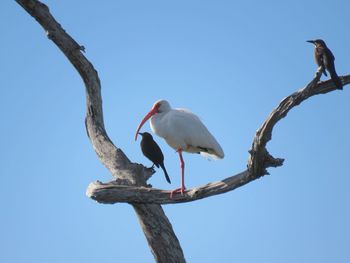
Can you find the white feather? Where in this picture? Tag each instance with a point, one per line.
(182, 129)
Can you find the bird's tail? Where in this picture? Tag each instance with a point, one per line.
(336, 80)
(165, 173)
(324, 72)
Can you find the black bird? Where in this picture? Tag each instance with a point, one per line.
(325, 59)
(151, 150)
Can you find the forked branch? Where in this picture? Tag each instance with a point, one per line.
(157, 229)
(130, 178)
(259, 159)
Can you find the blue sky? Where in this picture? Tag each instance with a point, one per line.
(230, 62)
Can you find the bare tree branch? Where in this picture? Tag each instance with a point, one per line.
(113, 192)
(259, 159)
(130, 178)
(156, 226)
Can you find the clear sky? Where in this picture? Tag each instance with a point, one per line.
(230, 62)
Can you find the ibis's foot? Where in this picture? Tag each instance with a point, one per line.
(178, 190)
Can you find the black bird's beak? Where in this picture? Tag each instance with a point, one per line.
(311, 41)
(141, 133)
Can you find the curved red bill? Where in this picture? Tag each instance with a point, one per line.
(149, 115)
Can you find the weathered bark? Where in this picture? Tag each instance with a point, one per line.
(157, 228)
(130, 184)
(112, 192)
(259, 159)
(160, 236)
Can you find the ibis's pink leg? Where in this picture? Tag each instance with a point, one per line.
(182, 165)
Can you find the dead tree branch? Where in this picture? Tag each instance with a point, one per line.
(130, 184)
(259, 159)
(156, 226)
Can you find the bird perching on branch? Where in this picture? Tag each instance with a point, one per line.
(152, 151)
(183, 131)
(324, 58)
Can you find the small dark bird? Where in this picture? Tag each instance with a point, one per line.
(325, 59)
(151, 150)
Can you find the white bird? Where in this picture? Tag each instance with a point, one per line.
(183, 131)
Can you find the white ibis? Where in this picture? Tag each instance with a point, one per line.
(183, 131)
